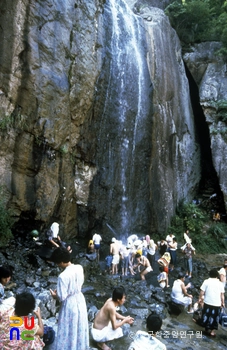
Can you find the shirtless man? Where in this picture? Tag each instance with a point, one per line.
(144, 262)
(115, 250)
(107, 323)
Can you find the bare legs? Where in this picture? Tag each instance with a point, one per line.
(103, 346)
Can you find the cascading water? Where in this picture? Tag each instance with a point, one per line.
(120, 190)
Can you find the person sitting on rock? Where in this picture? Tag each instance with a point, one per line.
(147, 340)
(107, 323)
(162, 278)
(54, 238)
(143, 265)
(179, 294)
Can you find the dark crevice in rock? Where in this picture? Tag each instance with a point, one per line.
(209, 183)
(25, 225)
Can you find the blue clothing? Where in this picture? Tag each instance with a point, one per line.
(108, 260)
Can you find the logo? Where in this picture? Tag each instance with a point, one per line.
(28, 333)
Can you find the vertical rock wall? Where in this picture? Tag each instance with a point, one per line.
(210, 73)
(48, 68)
(95, 120)
(137, 188)
(175, 161)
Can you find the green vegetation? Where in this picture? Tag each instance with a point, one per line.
(196, 21)
(207, 237)
(6, 223)
(64, 149)
(14, 120)
(221, 107)
(6, 123)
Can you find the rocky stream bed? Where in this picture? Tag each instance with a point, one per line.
(33, 272)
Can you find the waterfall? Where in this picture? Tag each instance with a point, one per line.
(125, 120)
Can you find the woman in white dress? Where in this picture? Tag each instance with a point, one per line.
(72, 331)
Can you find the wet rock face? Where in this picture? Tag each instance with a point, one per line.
(210, 73)
(147, 156)
(119, 192)
(97, 126)
(175, 161)
(48, 66)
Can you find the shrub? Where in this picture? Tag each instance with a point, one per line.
(189, 217)
(209, 244)
(192, 217)
(218, 230)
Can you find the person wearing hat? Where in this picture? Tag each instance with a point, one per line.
(54, 238)
(114, 251)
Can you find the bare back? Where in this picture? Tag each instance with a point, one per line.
(105, 314)
(145, 261)
(114, 248)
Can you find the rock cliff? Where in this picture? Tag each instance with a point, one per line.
(209, 71)
(96, 125)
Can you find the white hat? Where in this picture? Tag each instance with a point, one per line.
(113, 240)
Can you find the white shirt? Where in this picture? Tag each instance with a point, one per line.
(212, 288)
(169, 239)
(151, 248)
(55, 229)
(97, 238)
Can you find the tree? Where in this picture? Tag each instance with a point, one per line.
(199, 20)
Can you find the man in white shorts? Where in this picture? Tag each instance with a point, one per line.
(107, 323)
(115, 252)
